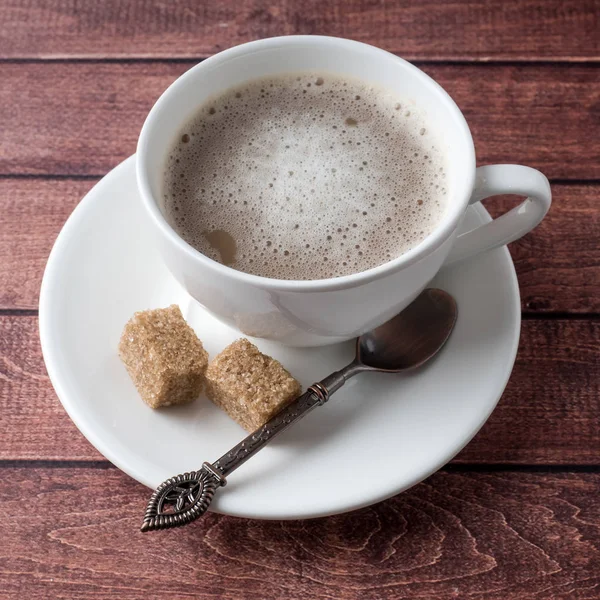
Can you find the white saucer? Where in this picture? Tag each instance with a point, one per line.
(376, 437)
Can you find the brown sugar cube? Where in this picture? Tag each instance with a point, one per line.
(164, 357)
(248, 385)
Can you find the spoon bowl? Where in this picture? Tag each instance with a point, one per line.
(412, 337)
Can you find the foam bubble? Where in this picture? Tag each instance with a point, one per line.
(306, 187)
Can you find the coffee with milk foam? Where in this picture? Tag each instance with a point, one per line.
(305, 176)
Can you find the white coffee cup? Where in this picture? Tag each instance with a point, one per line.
(312, 313)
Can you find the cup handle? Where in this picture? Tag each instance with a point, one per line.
(493, 180)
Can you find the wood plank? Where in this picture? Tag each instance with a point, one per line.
(73, 533)
(558, 264)
(33, 212)
(430, 29)
(548, 414)
(85, 118)
(530, 115)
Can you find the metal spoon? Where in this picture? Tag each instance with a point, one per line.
(405, 342)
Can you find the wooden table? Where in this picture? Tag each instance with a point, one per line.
(516, 514)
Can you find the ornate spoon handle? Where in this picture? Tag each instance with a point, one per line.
(182, 499)
(257, 440)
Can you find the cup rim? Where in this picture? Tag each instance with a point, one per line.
(431, 243)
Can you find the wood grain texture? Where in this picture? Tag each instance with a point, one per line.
(85, 118)
(548, 414)
(558, 264)
(72, 533)
(33, 213)
(430, 29)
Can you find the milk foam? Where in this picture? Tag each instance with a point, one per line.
(312, 175)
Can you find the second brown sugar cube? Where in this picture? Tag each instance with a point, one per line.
(248, 385)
